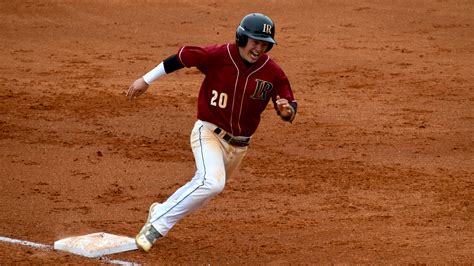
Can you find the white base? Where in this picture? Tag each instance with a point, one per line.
(96, 245)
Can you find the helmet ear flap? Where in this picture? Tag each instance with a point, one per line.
(269, 47)
(240, 38)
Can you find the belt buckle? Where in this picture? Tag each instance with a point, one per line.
(240, 143)
(220, 132)
(231, 139)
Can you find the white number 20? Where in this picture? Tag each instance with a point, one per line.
(219, 99)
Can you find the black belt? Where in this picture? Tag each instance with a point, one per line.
(235, 141)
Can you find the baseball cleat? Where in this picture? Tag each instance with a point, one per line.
(148, 234)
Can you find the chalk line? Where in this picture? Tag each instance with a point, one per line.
(49, 248)
(26, 243)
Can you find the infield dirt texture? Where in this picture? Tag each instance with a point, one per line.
(377, 168)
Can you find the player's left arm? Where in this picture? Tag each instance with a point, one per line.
(286, 109)
(283, 99)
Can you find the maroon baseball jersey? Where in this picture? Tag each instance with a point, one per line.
(233, 95)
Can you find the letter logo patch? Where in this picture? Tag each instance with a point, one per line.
(261, 90)
(267, 28)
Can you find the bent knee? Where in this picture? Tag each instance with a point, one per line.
(216, 183)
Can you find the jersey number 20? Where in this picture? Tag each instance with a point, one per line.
(219, 99)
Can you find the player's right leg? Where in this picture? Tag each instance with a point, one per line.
(208, 181)
(148, 234)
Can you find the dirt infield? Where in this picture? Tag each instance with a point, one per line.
(377, 168)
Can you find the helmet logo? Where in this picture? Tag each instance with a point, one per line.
(267, 28)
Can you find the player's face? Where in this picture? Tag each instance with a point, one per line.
(253, 50)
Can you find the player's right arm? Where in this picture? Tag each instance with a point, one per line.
(137, 88)
(195, 56)
(140, 85)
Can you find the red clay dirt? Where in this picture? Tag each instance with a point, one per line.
(378, 167)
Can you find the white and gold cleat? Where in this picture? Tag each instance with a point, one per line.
(148, 234)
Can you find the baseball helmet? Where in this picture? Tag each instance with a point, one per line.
(258, 27)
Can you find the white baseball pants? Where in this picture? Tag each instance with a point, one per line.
(215, 161)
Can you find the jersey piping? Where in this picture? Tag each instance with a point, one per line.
(245, 89)
(179, 55)
(235, 89)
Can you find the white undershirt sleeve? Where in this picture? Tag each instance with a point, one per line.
(154, 74)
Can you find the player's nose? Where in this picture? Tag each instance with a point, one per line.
(261, 45)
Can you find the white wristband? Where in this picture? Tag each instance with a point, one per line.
(154, 74)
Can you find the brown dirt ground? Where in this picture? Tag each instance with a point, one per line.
(377, 168)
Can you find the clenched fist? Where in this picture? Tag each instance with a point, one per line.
(284, 107)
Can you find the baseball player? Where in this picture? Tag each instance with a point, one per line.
(240, 79)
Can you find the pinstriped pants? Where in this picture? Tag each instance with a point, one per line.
(215, 161)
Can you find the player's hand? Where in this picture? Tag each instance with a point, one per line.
(283, 106)
(137, 88)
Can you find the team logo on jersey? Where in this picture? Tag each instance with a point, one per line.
(261, 90)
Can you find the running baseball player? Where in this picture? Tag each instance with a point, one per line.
(240, 80)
